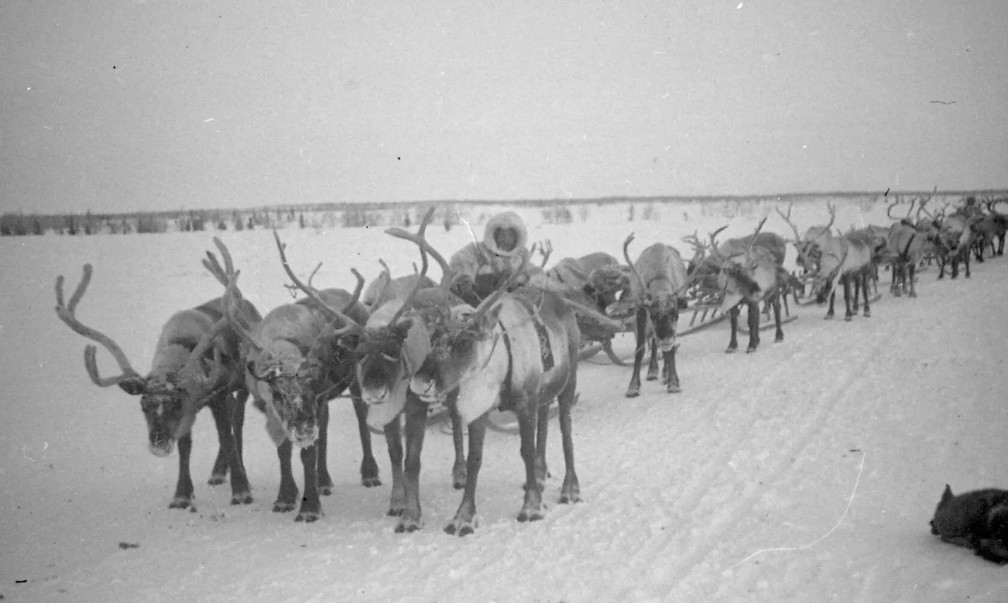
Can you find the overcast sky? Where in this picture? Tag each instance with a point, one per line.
(131, 105)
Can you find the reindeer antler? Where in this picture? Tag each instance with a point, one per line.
(421, 241)
(335, 316)
(713, 237)
(633, 269)
(68, 314)
(787, 218)
(545, 248)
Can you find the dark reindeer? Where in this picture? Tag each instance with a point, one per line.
(659, 279)
(295, 365)
(194, 340)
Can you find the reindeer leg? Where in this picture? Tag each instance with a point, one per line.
(652, 367)
(633, 390)
(753, 318)
(458, 440)
(832, 298)
(218, 475)
(570, 492)
(240, 494)
(323, 480)
(911, 269)
(673, 379)
(464, 521)
(967, 263)
(779, 335)
(846, 297)
(369, 466)
(542, 432)
(238, 420)
(311, 506)
(733, 315)
(416, 427)
(859, 283)
(867, 307)
(532, 508)
(184, 488)
(393, 439)
(288, 493)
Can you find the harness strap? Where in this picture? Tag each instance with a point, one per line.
(906, 250)
(545, 349)
(506, 397)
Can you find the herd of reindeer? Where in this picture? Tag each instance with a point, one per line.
(410, 342)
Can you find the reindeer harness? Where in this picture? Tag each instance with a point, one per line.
(545, 350)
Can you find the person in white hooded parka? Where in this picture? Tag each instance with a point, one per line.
(481, 266)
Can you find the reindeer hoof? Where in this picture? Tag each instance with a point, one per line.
(731, 350)
(283, 506)
(751, 349)
(370, 482)
(325, 490)
(633, 392)
(241, 498)
(848, 318)
(217, 479)
(308, 516)
(459, 477)
(673, 388)
(866, 314)
(408, 525)
(181, 502)
(530, 515)
(460, 527)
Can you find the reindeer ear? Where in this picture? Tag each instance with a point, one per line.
(133, 386)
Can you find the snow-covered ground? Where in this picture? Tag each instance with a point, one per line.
(807, 471)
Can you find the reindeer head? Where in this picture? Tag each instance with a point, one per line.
(389, 352)
(462, 338)
(165, 393)
(289, 375)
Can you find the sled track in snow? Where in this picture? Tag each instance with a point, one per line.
(715, 493)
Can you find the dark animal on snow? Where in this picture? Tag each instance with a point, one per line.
(977, 520)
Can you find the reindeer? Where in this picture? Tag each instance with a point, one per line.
(536, 362)
(392, 344)
(603, 282)
(517, 351)
(659, 279)
(834, 259)
(296, 363)
(190, 341)
(1000, 224)
(752, 274)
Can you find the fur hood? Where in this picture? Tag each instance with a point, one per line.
(505, 220)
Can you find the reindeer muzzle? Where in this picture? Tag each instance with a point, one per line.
(375, 396)
(303, 437)
(667, 344)
(161, 447)
(427, 390)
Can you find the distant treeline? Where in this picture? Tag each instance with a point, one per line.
(368, 215)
